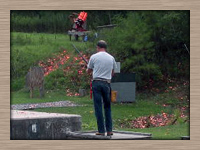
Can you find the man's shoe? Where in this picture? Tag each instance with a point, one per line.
(109, 133)
(102, 134)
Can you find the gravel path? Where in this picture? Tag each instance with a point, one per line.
(43, 105)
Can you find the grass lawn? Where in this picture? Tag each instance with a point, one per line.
(42, 45)
(171, 132)
(121, 112)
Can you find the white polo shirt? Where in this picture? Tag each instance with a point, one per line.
(102, 64)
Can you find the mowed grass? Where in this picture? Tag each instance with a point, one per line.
(38, 43)
(171, 132)
(33, 47)
(121, 112)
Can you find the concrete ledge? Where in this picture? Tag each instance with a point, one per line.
(31, 106)
(29, 125)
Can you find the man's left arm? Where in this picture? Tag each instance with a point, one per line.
(112, 74)
(114, 67)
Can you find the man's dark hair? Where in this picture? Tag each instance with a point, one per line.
(102, 44)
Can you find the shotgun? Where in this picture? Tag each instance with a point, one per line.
(86, 63)
(80, 54)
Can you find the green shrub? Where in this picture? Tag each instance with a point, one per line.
(131, 44)
(55, 80)
(17, 84)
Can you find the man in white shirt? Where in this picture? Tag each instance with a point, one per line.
(102, 66)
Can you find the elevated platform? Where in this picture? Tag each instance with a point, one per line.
(117, 135)
(79, 33)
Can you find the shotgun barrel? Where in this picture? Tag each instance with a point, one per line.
(80, 54)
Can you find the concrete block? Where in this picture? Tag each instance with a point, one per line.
(125, 85)
(29, 125)
(125, 91)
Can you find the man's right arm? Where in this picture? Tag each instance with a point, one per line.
(89, 71)
(90, 66)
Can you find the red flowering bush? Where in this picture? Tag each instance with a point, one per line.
(158, 120)
(153, 121)
(66, 72)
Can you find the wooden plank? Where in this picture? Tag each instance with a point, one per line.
(79, 33)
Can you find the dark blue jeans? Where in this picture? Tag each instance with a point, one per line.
(101, 96)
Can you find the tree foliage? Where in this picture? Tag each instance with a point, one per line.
(153, 44)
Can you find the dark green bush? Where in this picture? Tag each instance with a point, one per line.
(18, 84)
(151, 44)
